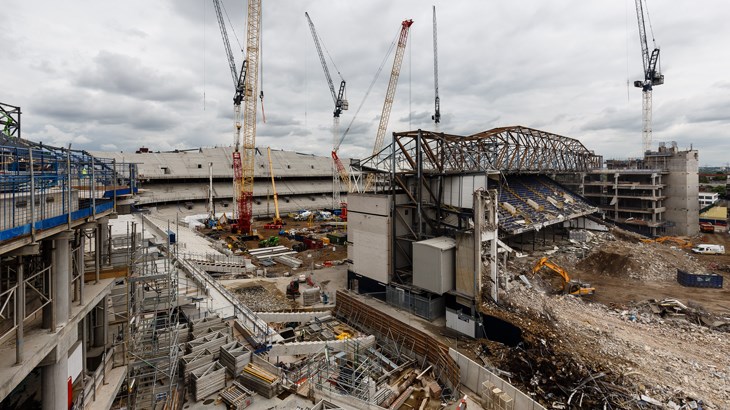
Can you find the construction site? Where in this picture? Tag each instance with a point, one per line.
(509, 269)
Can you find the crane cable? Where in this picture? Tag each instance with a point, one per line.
(651, 29)
(628, 80)
(377, 74)
(261, 73)
(321, 42)
(223, 6)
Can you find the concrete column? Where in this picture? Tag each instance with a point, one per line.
(104, 239)
(19, 312)
(84, 341)
(80, 265)
(62, 277)
(54, 387)
(101, 324)
(97, 253)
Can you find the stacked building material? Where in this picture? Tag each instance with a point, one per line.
(260, 380)
(178, 334)
(205, 323)
(270, 252)
(222, 327)
(288, 260)
(495, 399)
(194, 361)
(211, 342)
(235, 356)
(207, 380)
(236, 396)
(310, 296)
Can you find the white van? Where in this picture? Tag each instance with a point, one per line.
(709, 249)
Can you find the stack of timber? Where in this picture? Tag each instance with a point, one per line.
(194, 361)
(207, 380)
(236, 396)
(260, 380)
(235, 356)
(211, 342)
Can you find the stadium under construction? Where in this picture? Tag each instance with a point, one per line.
(111, 297)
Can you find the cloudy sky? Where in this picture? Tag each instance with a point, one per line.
(120, 75)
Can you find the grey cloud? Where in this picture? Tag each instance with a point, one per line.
(121, 74)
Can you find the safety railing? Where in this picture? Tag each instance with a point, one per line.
(42, 187)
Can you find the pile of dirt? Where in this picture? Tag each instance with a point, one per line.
(617, 254)
(640, 261)
(616, 262)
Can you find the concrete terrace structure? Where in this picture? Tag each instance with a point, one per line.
(302, 180)
(655, 195)
(55, 205)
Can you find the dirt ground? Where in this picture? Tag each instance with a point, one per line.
(274, 298)
(310, 257)
(609, 348)
(625, 272)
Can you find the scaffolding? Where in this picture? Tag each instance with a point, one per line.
(358, 372)
(153, 348)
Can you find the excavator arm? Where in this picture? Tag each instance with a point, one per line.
(569, 286)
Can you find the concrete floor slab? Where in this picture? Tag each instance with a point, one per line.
(40, 342)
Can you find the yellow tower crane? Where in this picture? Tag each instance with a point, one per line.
(389, 95)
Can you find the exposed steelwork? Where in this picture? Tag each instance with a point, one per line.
(513, 149)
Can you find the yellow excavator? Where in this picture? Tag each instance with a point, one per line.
(681, 241)
(570, 286)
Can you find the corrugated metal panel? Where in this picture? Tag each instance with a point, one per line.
(459, 189)
(370, 249)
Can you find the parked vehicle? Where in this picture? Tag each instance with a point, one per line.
(709, 249)
(707, 227)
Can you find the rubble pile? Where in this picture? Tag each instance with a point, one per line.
(618, 254)
(573, 351)
(261, 299)
(641, 261)
(631, 345)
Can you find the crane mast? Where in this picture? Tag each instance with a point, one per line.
(652, 77)
(340, 105)
(339, 96)
(244, 164)
(389, 95)
(277, 218)
(239, 81)
(436, 117)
